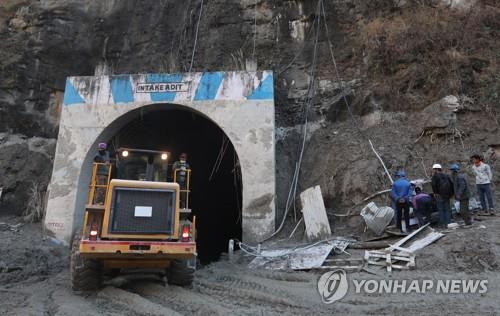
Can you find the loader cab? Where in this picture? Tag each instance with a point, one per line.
(153, 165)
(142, 165)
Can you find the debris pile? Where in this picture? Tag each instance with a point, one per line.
(321, 254)
(401, 255)
(300, 258)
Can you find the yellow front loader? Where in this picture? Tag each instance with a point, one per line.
(133, 220)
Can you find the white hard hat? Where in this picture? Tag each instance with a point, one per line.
(436, 166)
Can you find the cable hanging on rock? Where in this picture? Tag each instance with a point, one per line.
(254, 30)
(307, 104)
(341, 85)
(196, 37)
(310, 94)
(337, 74)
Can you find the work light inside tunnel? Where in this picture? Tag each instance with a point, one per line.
(125, 153)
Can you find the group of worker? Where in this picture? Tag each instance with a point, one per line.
(444, 188)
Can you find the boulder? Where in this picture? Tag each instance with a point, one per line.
(439, 115)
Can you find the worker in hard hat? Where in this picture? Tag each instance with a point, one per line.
(180, 173)
(102, 158)
(462, 195)
(442, 186)
(401, 194)
(483, 174)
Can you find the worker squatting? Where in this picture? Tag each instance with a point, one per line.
(445, 186)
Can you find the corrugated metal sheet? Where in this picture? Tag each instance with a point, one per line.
(377, 218)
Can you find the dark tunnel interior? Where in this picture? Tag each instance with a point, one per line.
(215, 196)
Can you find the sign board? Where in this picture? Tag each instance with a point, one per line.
(162, 87)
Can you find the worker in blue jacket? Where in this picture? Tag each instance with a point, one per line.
(401, 194)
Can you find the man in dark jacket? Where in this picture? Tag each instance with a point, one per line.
(179, 169)
(442, 186)
(462, 194)
(400, 194)
(102, 157)
(180, 173)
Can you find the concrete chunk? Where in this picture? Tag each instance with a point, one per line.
(314, 212)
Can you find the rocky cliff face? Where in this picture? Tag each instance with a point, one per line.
(396, 60)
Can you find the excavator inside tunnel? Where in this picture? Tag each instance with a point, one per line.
(216, 189)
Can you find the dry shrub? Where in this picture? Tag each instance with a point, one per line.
(238, 59)
(35, 209)
(421, 49)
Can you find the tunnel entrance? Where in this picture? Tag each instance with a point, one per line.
(216, 186)
(240, 104)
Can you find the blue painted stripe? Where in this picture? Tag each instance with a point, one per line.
(121, 89)
(209, 85)
(157, 78)
(265, 91)
(71, 96)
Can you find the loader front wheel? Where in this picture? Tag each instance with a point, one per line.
(181, 272)
(86, 274)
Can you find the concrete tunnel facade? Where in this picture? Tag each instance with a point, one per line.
(241, 104)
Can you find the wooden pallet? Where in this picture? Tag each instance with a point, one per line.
(391, 258)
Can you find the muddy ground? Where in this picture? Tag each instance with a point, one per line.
(34, 280)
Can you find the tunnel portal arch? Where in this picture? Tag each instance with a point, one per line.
(240, 103)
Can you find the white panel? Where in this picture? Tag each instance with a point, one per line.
(143, 211)
(315, 218)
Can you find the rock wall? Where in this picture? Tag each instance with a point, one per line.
(396, 58)
(25, 169)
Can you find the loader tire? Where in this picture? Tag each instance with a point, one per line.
(86, 275)
(181, 273)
